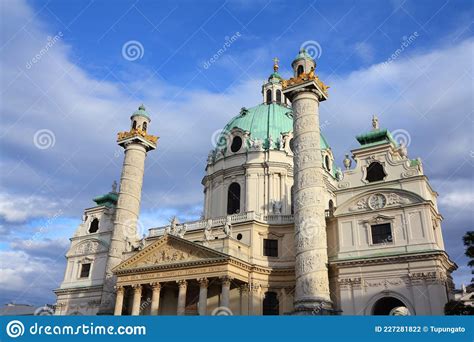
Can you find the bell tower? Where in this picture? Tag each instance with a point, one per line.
(136, 142)
(306, 91)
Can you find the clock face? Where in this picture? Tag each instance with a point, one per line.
(377, 201)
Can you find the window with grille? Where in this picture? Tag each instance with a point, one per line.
(270, 247)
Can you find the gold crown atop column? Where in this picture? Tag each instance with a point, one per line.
(304, 77)
(136, 132)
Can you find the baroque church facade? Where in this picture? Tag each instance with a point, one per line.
(284, 230)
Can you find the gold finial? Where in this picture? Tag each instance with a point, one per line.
(275, 64)
(375, 122)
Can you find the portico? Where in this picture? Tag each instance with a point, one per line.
(173, 276)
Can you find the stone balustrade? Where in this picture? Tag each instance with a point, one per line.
(235, 218)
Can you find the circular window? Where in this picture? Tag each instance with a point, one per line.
(239, 236)
(236, 144)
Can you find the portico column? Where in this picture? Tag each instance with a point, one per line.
(137, 297)
(244, 301)
(203, 283)
(119, 300)
(182, 297)
(155, 298)
(225, 294)
(254, 300)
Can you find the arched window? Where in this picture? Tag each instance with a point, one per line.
(94, 226)
(327, 163)
(375, 172)
(144, 126)
(300, 70)
(134, 125)
(385, 305)
(278, 96)
(269, 96)
(236, 144)
(271, 305)
(233, 199)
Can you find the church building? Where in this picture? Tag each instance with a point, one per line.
(284, 230)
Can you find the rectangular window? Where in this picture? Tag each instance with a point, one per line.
(270, 247)
(381, 233)
(85, 270)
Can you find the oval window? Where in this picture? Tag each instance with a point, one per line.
(236, 144)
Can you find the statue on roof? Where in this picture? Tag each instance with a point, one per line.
(375, 122)
(228, 226)
(114, 186)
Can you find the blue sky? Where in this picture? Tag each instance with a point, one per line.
(83, 89)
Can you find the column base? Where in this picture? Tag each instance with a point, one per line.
(314, 308)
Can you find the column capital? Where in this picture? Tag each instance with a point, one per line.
(156, 286)
(119, 289)
(244, 288)
(254, 287)
(226, 280)
(137, 287)
(203, 282)
(182, 283)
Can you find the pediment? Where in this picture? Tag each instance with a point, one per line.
(391, 198)
(170, 251)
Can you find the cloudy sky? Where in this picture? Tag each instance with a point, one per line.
(71, 73)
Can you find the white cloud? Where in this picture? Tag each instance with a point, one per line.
(14, 208)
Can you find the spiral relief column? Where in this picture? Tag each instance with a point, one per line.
(136, 142)
(305, 91)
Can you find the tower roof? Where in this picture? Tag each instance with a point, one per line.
(302, 54)
(265, 121)
(141, 111)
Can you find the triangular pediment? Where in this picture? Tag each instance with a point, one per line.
(170, 251)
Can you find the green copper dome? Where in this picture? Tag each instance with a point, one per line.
(141, 112)
(265, 121)
(302, 54)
